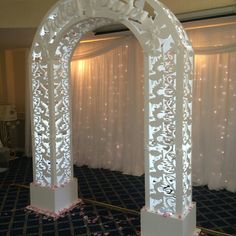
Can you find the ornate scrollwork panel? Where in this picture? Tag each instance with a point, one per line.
(62, 98)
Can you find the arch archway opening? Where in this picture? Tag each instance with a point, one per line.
(107, 104)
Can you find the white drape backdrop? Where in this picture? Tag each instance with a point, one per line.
(214, 107)
(107, 79)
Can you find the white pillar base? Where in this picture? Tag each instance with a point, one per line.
(53, 201)
(153, 224)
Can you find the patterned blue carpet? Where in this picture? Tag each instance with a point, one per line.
(216, 210)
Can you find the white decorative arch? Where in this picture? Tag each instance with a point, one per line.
(168, 109)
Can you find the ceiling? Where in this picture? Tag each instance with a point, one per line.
(16, 37)
(20, 18)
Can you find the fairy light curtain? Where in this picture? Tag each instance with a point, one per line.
(108, 104)
(214, 105)
(109, 96)
(107, 79)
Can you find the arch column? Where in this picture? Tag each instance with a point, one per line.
(168, 209)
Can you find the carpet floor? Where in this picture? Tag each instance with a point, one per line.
(216, 210)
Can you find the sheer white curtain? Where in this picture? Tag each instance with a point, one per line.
(214, 107)
(214, 111)
(108, 105)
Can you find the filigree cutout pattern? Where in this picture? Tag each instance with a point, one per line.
(166, 45)
(62, 56)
